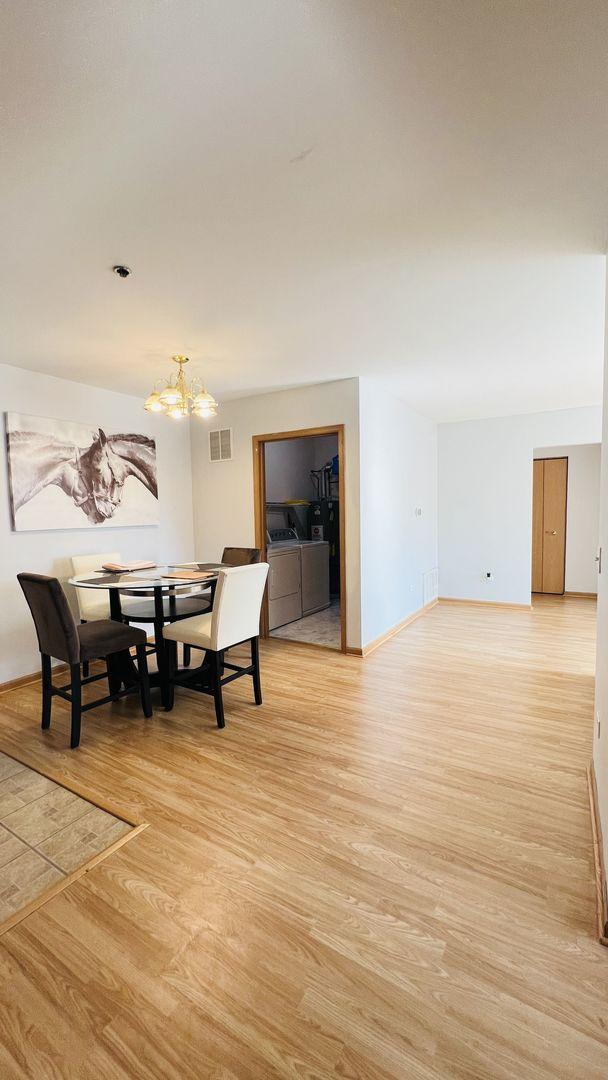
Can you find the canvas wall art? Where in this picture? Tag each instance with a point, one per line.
(69, 476)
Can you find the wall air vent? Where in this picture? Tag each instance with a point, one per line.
(430, 586)
(220, 445)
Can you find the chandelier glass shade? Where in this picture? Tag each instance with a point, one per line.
(178, 398)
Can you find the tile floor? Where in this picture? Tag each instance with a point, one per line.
(322, 628)
(46, 832)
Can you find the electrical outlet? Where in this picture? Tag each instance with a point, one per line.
(488, 575)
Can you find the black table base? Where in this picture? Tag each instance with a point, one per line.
(122, 671)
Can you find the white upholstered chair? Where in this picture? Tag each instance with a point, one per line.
(92, 603)
(95, 603)
(234, 620)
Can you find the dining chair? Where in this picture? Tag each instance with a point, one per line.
(232, 556)
(234, 620)
(60, 636)
(238, 556)
(94, 603)
(174, 608)
(195, 602)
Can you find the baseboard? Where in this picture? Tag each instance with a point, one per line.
(583, 595)
(598, 859)
(26, 680)
(484, 603)
(377, 642)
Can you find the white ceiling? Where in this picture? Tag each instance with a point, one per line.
(307, 190)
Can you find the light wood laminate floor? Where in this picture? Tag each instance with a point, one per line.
(384, 871)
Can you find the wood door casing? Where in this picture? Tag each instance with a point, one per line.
(549, 504)
(537, 526)
(259, 509)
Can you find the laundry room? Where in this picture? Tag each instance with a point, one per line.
(302, 479)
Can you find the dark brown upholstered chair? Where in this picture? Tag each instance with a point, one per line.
(60, 636)
(240, 556)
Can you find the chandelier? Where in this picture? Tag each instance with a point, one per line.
(179, 398)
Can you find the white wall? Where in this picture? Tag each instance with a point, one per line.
(288, 470)
(485, 498)
(582, 514)
(49, 552)
(398, 474)
(223, 491)
(600, 739)
(289, 463)
(323, 450)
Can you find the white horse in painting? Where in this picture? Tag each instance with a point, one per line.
(92, 476)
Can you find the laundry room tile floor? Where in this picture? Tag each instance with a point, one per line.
(322, 628)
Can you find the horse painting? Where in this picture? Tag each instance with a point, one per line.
(92, 473)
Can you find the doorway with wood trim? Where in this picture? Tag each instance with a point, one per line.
(549, 503)
(299, 508)
(565, 520)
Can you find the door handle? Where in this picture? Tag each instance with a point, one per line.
(551, 532)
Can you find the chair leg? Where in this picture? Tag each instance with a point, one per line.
(170, 666)
(161, 647)
(187, 655)
(255, 660)
(85, 664)
(144, 681)
(113, 674)
(216, 676)
(47, 692)
(75, 690)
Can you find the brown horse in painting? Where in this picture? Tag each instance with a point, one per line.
(93, 476)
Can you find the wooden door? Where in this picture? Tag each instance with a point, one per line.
(555, 484)
(550, 487)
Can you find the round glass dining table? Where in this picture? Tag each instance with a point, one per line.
(163, 585)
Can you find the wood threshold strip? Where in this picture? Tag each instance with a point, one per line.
(137, 826)
(59, 886)
(598, 858)
(76, 789)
